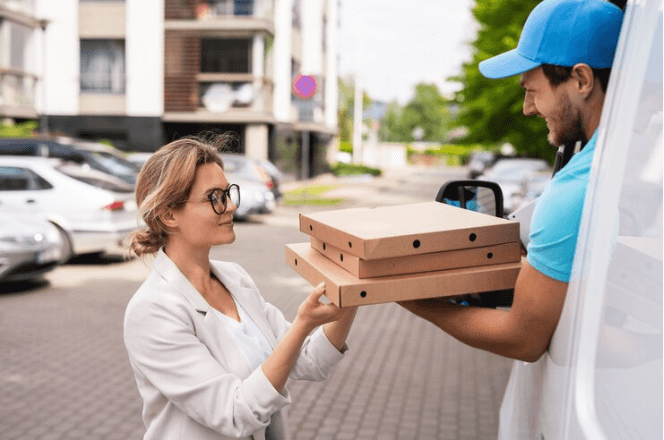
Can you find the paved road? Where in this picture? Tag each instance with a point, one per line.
(64, 372)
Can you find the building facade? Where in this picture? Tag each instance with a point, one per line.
(141, 73)
(21, 37)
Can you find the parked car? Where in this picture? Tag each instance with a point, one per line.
(138, 158)
(532, 189)
(479, 162)
(30, 246)
(251, 169)
(255, 198)
(512, 174)
(94, 155)
(91, 217)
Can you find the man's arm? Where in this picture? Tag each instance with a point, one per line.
(522, 332)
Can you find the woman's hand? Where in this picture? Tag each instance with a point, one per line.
(313, 313)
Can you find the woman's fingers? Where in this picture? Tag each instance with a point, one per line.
(318, 291)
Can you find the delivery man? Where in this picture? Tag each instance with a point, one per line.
(564, 57)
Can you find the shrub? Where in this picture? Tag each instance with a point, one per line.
(343, 169)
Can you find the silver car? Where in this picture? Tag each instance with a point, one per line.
(91, 219)
(29, 246)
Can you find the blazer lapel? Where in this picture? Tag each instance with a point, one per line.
(215, 337)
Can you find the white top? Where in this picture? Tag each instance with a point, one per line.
(247, 336)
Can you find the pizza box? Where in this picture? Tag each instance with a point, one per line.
(346, 290)
(482, 256)
(395, 231)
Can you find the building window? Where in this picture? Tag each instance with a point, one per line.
(225, 56)
(103, 66)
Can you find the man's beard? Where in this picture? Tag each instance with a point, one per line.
(570, 129)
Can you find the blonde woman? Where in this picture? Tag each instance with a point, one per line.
(210, 356)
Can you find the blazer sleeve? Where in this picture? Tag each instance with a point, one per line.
(164, 350)
(317, 357)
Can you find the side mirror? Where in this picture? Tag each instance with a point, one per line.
(476, 195)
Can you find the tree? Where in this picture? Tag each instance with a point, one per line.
(346, 109)
(427, 110)
(491, 109)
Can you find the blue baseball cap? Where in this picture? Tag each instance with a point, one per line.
(563, 33)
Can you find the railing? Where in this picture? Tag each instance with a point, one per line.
(220, 96)
(23, 6)
(225, 8)
(17, 88)
(103, 83)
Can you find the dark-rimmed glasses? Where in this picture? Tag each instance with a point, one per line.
(219, 198)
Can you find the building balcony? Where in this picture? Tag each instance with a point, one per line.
(17, 94)
(229, 98)
(223, 18)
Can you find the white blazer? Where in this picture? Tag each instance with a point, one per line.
(194, 381)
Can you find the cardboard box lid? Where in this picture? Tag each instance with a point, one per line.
(345, 290)
(420, 228)
(455, 259)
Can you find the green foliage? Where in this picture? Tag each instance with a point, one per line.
(310, 195)
(346, 147)
(450, 154)
(343, 169)
(492, 109)
(347, 109)
(106, 142)
(24, 129)
(427, 110)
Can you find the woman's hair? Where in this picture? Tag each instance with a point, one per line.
(165, 182)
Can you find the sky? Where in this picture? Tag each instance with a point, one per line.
(395, 44)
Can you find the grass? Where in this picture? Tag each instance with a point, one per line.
(310, 195)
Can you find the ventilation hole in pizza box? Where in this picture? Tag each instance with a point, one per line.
(323, 246)
(363, 294)
(311, 227)
(472, 237)
(341, 257)
(416, 244)
(350, 245)
(489, 255)
(296, 261)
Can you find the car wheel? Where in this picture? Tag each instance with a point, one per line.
(66, 246)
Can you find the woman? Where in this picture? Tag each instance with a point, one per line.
(210, 356)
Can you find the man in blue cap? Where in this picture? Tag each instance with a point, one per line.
(564, 56)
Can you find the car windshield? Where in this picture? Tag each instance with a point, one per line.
(113, 163)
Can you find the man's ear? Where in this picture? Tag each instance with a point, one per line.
(584, 80)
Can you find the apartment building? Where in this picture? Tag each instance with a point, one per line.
(143, 72)
(21, 35)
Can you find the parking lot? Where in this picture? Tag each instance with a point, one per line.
(65, 375)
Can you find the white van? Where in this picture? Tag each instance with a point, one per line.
(602, 375)
(601, 378)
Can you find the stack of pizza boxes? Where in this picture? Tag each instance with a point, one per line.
(397, 253)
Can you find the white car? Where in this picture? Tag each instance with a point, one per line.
(255, 198)
(91, 219)
(29, 246)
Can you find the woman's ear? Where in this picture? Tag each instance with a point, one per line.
(168, 218)
(584, 80)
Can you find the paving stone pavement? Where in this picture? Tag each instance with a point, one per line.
(64, 374)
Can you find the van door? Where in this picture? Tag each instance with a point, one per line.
(604, 368)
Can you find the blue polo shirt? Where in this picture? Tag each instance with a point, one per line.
(554, 227)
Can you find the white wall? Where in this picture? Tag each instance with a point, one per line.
(144, 62)
(62, 57)
(283, 16)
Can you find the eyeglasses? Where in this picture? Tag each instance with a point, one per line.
(219, 198)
